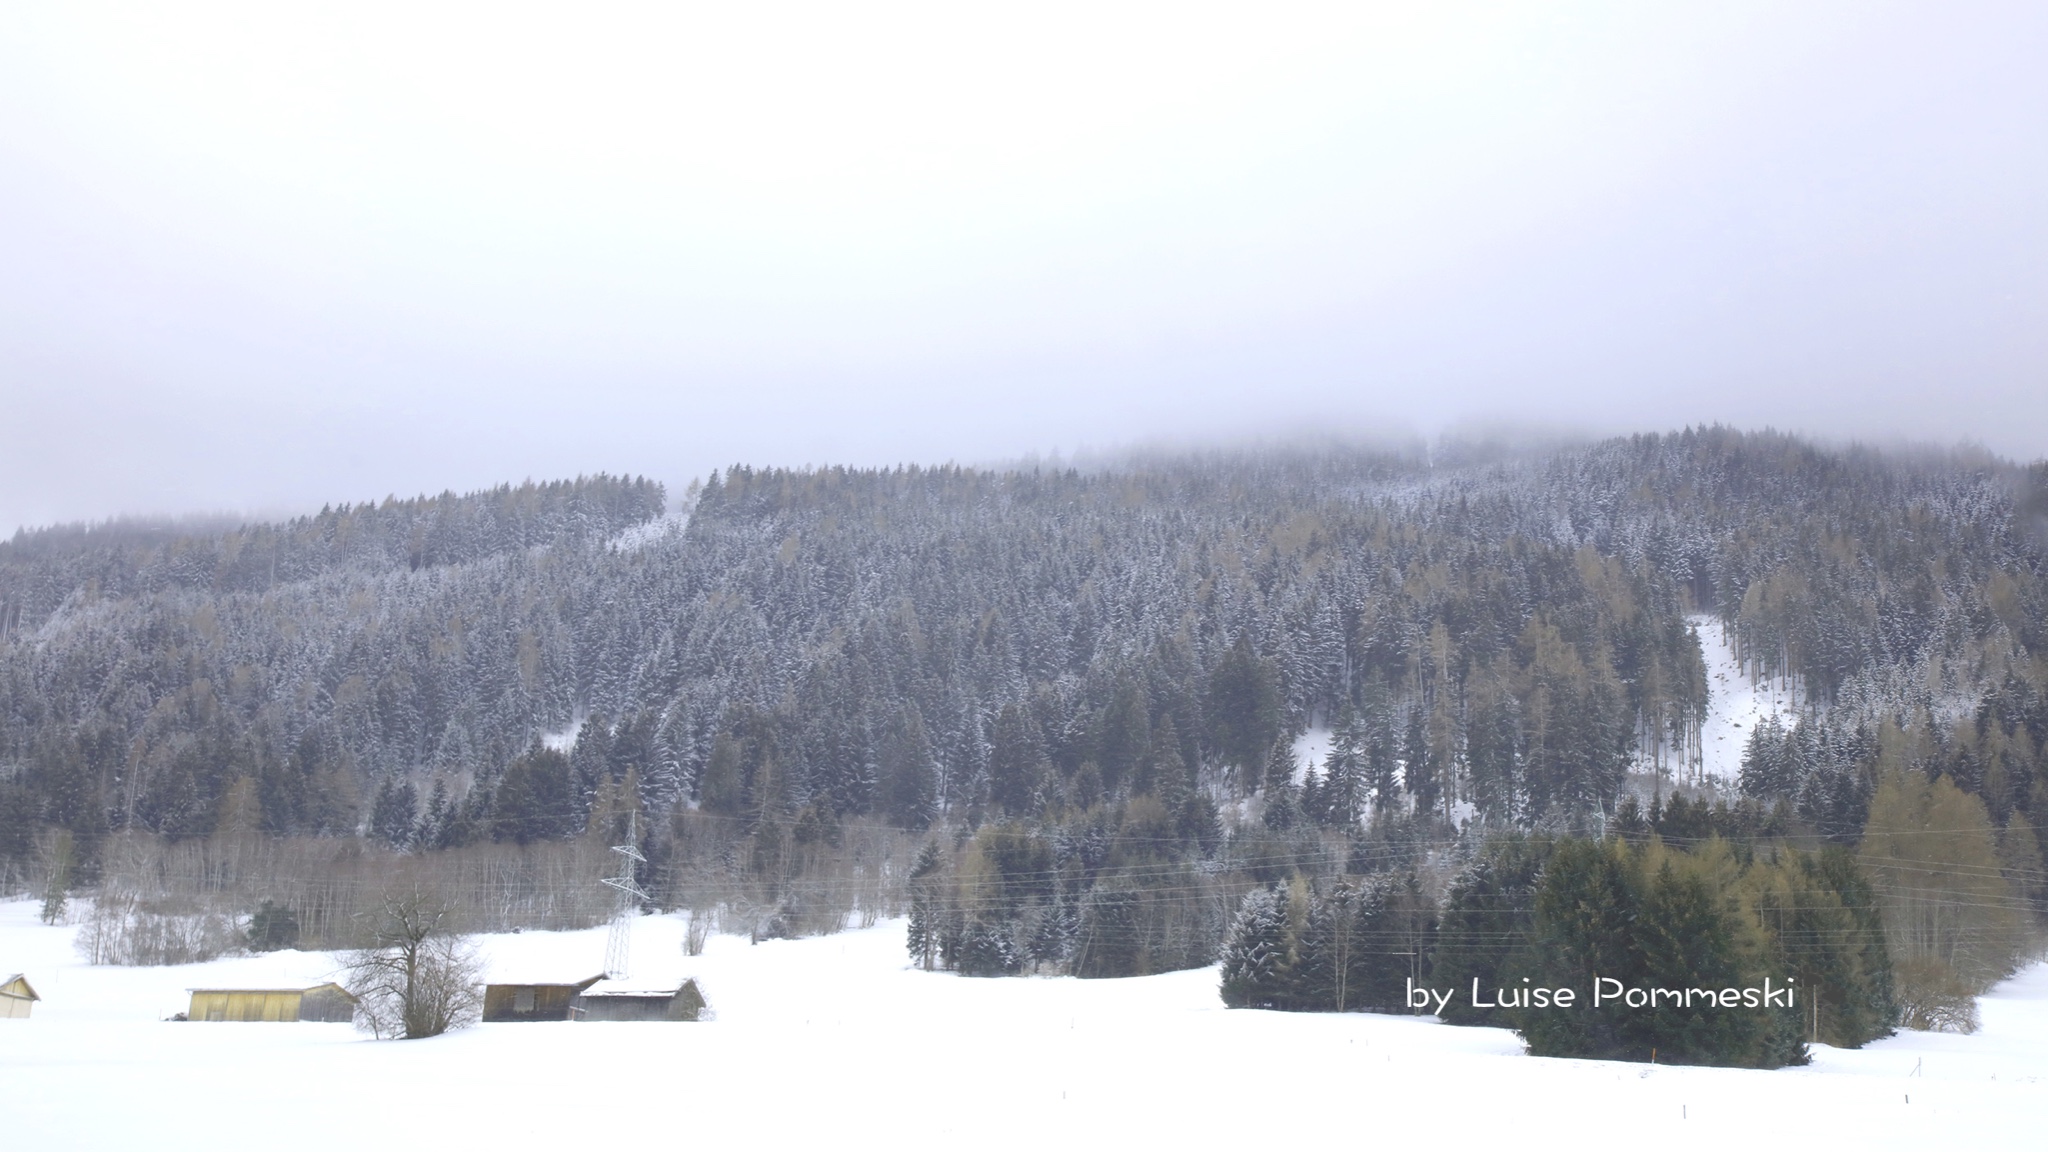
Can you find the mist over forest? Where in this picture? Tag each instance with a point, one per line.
(1052, 713)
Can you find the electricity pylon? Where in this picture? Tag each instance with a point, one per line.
(618, 947)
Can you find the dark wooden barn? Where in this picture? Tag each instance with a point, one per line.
(532, 1001)
(620, 1003)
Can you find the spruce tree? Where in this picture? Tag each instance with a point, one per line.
(1016, 762)
(988, 948)
(1821, 918)
(927, 907)
(1243, 707)
(394, 815)
(1691, 932)
(720, 789)
(1255, 964)
(1584, 915)
(1486, 937)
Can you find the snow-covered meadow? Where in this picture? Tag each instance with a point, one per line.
(837, 1042)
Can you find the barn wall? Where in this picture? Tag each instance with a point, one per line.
(327, 1006)
(244, 1007)
(624, 1007)
(550, 1002)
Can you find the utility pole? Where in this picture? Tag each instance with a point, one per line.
(618, 947)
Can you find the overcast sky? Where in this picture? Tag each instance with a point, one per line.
(258, 258)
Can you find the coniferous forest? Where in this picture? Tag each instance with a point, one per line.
(1051, 714)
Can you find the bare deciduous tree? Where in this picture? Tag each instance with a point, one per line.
(418, 979)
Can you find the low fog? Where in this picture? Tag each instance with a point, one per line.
(254, 259)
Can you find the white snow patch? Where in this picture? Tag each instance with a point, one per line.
(563, 740)
(1311, 748)
(643, 534)
(1735, 703)
(817, 1041)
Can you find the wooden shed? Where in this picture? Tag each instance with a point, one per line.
(532, 1000)
(16, 997)
(625, 1003)
(328, 1003)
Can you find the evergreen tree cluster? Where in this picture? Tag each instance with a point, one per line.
(1819, 766)
(1348, 945)
(1533, 913)
(1114, 890)
(44, 570)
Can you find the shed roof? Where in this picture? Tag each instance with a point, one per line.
(27, 992)
(557, 982)
(641, 988)
(267, 991)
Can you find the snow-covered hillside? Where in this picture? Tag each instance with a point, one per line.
(835, 1042)
(1736, 704)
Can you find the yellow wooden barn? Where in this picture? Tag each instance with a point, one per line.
(323, 1003)
(16, 997)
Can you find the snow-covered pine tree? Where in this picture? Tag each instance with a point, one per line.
(1255, 963)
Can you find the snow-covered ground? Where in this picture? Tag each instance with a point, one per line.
(836, 1043)
(1735, 704)
(1311, 749)
(563, 739)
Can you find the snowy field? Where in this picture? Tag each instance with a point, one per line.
(836, 1043)
(1735, 704)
